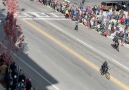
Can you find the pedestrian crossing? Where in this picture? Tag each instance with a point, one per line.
(40, 16)
(46, 19)
(36, 16)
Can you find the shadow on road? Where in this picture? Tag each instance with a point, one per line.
(40, 78)
(114, 47)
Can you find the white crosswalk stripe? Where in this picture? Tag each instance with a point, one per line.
(40, 16)
(54, 15)
(46, 19)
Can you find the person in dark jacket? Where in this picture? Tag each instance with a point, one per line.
(115, 40)
(13, 68)
(105, 67)
(76, 25)
(21, 77)
(83, 1)
(14, 82)
(28, 84)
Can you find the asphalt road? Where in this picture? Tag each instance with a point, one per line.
(59, 58)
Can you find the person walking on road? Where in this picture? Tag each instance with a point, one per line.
(76, 25)
(104, 67)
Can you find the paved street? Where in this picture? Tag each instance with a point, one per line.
(59, 58)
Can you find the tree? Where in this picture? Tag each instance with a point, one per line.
(13, 32)
(14, 38)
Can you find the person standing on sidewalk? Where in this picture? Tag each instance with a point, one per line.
(8, 80)
(125, 34)
(3, 68)
(66, 13)
(28, 84)
(83, 2)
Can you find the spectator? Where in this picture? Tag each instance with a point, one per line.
(101, 18)
(14, 86)
(9, 81)
(127, 37)
(102, 9)
(10, 76)
(21, 85)
(2, 71)
(21, 77)
(122, 20)
(123, 5)
(13, 68)
(121, 36)
(98, 9)
(91, 22)
(83, 2)
(117, 18)
(125, 33)
(66, 13)
(54, 5)
(28, 84)
(127, 22)
(2, 58)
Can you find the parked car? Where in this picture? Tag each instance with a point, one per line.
(108, 5)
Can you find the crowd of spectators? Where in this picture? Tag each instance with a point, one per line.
(108, 23)
(11, 76)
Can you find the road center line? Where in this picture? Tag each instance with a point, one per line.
(113, 79)
(90, 47)
(46, 19)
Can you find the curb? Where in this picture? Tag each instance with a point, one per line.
(125, 45)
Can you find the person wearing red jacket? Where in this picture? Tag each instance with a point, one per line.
(102, 8)
(122, 20)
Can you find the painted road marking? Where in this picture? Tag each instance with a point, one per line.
(116, 81)
(38, 15)
(89, 46)
(54, 15)
(46, 19)
(31, 14)
(36, 72)
(33, 69)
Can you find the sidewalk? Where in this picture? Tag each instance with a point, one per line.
(104, 13)
(110, 37)
(1, 87)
